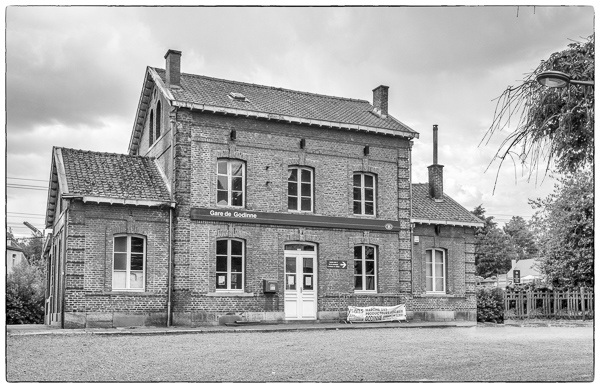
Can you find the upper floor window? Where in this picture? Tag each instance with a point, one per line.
(365, 274)
(129, 258)
(435, 262)
(231, 182)
(300, 189)
(230, 264)
(364, 194)
(151, 129)
(158, 120)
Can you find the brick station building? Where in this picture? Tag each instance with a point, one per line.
(245, 202)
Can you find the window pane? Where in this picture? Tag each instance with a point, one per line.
(137, 261)
(358, 253)
(222, 183)
(356, 208)
(236, 264)
(306, 176)
(369, 195)
(370, 283)
(236, 184)
(439, 257)
(222, 197)
(299, 247)
(290, 265)
(429, 284)
(136, 279)
(369, 253)
(369, 208)
(236, 281)
(293, 189)
(356, 180)
(237, 168)
(358, 282)
(222, 167)
(237, 198)
(368, 181)
(120, 244)
(293, 175)
(308, 282)
(370, 267)
(221, 247)
(119, 279)
(236, 248)
(428, 270)
(306, 190)
(308, 265)
(290, 282)
(306, 204)
(292, 203)
(357, 267)
(357, 194)
(428, 256)
(439, 270)
(221, 263)
(137, 244)
(120, 261)
(221, 280)
(439, 284)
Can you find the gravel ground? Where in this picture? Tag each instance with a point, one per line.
(417, 354)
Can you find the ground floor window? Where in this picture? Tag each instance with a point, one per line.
(129, 258)
(230, 265)
(365, 274)
(436, 270)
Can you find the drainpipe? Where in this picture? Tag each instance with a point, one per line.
(170, 271)
(410, 225)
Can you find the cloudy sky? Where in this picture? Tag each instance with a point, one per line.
(74, 77)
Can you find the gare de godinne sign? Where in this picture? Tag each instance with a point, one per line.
(290, 219)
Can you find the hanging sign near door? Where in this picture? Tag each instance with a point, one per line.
(337, 264)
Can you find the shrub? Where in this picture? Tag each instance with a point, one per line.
(490, 305)
(25, 295)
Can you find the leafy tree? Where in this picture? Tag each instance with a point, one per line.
(522, 237)
(24, 295)
(554, 126)
(566, 220)
(494, 250)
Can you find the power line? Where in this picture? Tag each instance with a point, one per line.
(27, 179)
(28, 214)
(24, 187)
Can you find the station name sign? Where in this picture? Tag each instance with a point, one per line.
(292, 219)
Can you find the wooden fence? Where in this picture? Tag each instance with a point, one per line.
(549, 304)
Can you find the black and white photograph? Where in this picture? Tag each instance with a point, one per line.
(299, 193)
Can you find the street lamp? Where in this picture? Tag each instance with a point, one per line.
(558, 79)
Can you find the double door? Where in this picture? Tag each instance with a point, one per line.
(300, 293)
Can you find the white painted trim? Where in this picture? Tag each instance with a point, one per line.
(445, 222)
(122, 201)
(60, 171)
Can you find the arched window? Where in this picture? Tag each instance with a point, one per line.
(364, 193)
(158, 119)
(365, 268)
(300, 189)
(229, 274)
(435, 262)
(231, 182)
(151, 129)
(129, 261)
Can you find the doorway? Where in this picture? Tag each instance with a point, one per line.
(300, 281)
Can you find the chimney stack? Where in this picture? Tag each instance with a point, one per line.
(173, 68)
(436, 173)
(380, 100)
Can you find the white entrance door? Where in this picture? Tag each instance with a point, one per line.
(300, 293)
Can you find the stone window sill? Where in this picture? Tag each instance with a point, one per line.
(231, 294)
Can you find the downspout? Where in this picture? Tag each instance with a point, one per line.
(63, 269)
(410, 216)
(170, 271)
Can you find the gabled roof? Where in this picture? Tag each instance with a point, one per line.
(426, 210)
(527, 267)
(13, 245)
(105, 177)
(217, 95)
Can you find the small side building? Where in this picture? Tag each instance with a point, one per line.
(14, 255)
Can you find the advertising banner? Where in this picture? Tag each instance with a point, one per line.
(377, 313)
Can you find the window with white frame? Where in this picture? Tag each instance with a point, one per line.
(300, 189)
(151, 129)
(364, 194)
(231, 182)
(129, 260)
(365, 272)
(435, 262)
(230, 265)
(158, 119)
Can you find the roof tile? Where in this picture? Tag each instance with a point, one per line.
(424, 207)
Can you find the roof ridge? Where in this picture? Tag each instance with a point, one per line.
(105, 153)
(271, 87)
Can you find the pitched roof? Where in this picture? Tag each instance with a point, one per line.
(448, 211)
(105, 177)
(528, 267)
(208, 93)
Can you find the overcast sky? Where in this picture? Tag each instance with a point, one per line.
(74, 77)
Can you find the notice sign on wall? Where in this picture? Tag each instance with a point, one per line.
(337, 264)
(516, 276)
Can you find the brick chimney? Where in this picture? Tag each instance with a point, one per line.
(380, 100)
(436, 173)
(173, 67)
